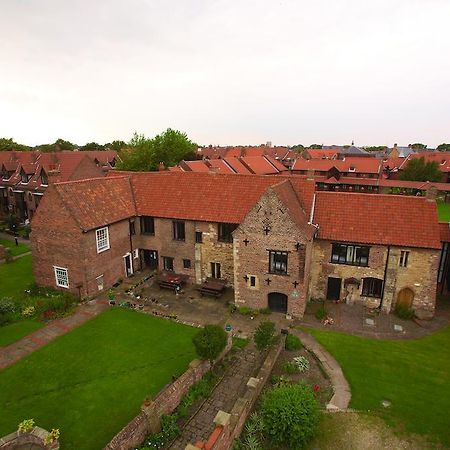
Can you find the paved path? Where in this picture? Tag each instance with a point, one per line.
(28, 344)
(342, 394)
(244, 365)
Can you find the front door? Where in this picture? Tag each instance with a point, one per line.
(278, 302)
(334, 288)
(151, 259)
(405, 298)
(128, 265)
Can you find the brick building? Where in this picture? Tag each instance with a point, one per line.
(24, 176)
(273, 238)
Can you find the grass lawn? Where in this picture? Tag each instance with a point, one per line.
(91, 382)
(414, 375)
(15, 249)
(16, 277)
(15, 331)
(443, 212)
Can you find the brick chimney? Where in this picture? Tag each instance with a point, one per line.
(161, 167)
(431, 193)
(310, 175)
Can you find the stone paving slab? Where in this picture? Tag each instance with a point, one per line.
(28, 344)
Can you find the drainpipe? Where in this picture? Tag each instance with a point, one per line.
(131, 245)
(384, 277)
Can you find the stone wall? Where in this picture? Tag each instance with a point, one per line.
(148, 420)
(420, 276)
(31, 440)
(229, 425)
(251, 256)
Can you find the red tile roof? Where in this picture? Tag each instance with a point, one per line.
(349, 164)
(98, 201)
(377, 219)
(236, 165)
(262, 165)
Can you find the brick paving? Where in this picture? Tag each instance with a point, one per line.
(28, 344)
(243, 365)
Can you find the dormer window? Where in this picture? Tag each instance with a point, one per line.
(24, 178)
(44, 178)
(351, 169)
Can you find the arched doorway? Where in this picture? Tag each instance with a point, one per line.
(278, 302)
(405, 297)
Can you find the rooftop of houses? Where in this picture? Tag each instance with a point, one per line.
(212, 197)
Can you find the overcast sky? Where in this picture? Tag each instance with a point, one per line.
(226, 72)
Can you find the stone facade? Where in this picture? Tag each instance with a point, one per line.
(419, 276)
(251, 257)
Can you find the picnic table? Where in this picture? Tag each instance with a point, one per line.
(212, 287)
(170, 281)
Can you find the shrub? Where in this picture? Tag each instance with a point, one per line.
(232, 308)
(403, 312)
(169, 431)
(302, 363)
(7, 306)
(52, 436)
(290, 367)
(28, 311)
(210, 341)
(239, 343)
(290, 414)
(26, 425)
(266, 311)
(264, 335)
(293, 343)
(321, 313)
(246, 311)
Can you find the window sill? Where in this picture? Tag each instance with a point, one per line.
(279, 274)
(103, 250)
(348, 264)
(370, 296)
(179, 240)
(60, 285)
(147, 234)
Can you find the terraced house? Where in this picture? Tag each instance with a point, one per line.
(274, 239)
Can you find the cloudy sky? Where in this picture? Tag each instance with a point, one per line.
(227, 71)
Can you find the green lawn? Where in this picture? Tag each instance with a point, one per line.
(15, 331)
(15, 277)
(414, 375)
(444, 212)
(91, 382)
(15, 249)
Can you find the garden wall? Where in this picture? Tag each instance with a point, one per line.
(229, 425)
(148, 420)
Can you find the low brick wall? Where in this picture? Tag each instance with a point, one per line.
(229, 425)
(33, 439)
(148, 420)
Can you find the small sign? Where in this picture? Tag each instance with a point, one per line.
(294, 293)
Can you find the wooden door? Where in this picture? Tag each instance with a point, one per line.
(334, 288)
(405, 297)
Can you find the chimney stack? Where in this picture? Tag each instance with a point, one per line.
(161, 166)
(431, 193)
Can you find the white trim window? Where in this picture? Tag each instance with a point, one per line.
(102, 236)
(61, 276)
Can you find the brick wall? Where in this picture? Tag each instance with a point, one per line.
(420, 276)
(253, 258)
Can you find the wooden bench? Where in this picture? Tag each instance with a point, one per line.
(170, 281)
(212, 287)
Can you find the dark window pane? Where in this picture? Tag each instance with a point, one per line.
(225, 231)
(178, 231)
(278, 262)
(198, 237)
(147, 225)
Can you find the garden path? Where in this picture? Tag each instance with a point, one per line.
(28, 344)
(243, 365)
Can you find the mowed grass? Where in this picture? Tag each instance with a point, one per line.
(91, 382)
(443, 212)
(412, 374)
(15, 249)
(15, 331)
(15, 277)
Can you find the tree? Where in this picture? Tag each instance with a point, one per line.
(418, 169)
(210, 341)
(92, 146)
(8, 144)
(375, 148)
(316, 146)
(443, 147)
(264, 335)
(63, 145)
(116, 145)
(169, 147)
(417, 146)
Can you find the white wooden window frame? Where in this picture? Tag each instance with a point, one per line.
(102, 239)
(61, 277)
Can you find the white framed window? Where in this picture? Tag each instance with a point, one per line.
(404, 256)
(102, 236)
(61, 276)
(99, 281)
(136, 253)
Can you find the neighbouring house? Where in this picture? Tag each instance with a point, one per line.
(274, 239)
(24, 176)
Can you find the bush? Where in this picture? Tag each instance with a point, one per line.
(302, 363)
(290, 414)
(210, 341)
(7, 306)
(321, 313)
(264, 335)
(403, 312)
(169, 431)
(266, 311)
(290, 367)
(293, 343)
(246, 311)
